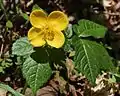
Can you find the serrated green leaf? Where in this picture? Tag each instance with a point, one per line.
(36, 74)
(87, 28)
(9, 24)
(36, 7)
(8, 88)
(22, 47)
(90, 58)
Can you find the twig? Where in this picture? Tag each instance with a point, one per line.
(109, 13)
(1, 51)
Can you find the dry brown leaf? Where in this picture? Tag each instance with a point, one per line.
(3, 92)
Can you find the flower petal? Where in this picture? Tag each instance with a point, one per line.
(38, 18)
(58, 40)
(58, 20)
(36, 37)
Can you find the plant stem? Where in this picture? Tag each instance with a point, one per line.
(24, 88)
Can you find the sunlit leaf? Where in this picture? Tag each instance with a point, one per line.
(25, 16)
(9, 24)
(87, 28)
(36, 7)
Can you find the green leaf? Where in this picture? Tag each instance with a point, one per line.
(36, 74)
(9, 24)
(87, 28)
(6, 87)
(25, 16)
(68, 45)
(90, 58)
(22, 47)
(112, 79)
(36, 68)
(36, 7)
(5, 63)
(1, 4)
(1, 69)
(69, 31)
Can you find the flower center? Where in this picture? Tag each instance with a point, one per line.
(48, 33)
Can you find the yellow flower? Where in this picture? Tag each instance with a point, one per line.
(47, 29)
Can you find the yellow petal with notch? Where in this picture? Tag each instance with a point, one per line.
(38, 18)
(36, 37)
(58, 40)
(58, 20)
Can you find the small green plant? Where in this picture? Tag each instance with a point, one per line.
(89, 57)
(5, 64)
(44, 49)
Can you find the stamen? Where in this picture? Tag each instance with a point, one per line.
(50, 36)
(48, 33)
